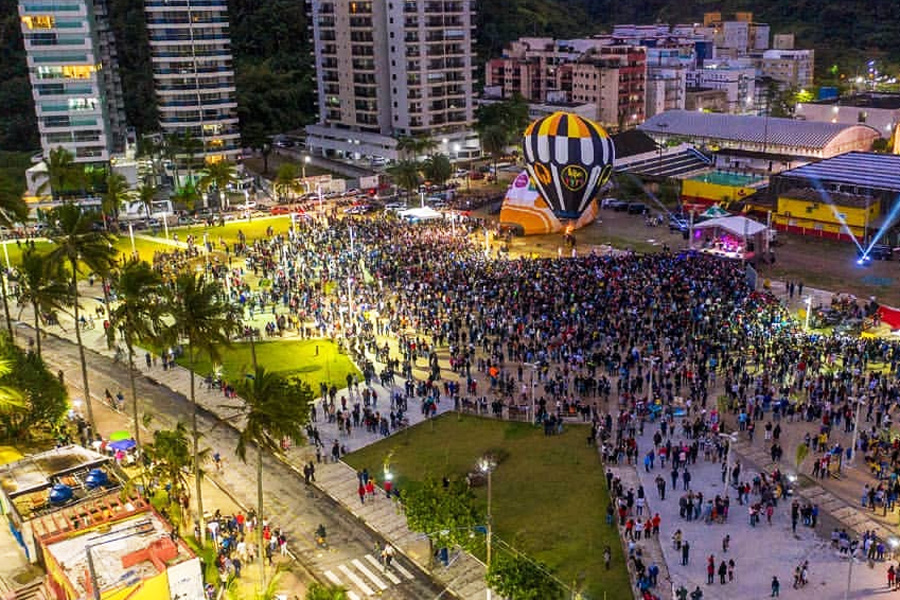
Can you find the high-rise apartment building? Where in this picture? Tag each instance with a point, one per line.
(392, 68)
(613, 78)
(190, 49)
(74, 77)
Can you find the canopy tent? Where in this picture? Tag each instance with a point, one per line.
(731, 237)
(415, 215)
(739, 226)
(715, 211)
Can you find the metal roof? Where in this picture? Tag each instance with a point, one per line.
(860, 169)
(745, 128)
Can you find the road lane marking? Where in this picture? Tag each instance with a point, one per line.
(402, 570)
(394, 579)
(381, 585)
(365, 589)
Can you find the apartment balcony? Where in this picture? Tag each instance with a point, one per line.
(169, 5)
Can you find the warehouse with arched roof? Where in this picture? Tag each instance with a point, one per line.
(768, 143)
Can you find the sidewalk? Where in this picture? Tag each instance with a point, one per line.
(465, 575)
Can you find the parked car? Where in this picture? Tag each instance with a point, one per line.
(614, 204)
(879, 252)
(678, 223)
(395, 206)
(637, 208)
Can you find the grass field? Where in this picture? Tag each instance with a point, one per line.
(15, 251)
(291, 358)
(145, 248)
(549, 493)
(229, 232)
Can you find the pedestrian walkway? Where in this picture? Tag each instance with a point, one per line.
(465, 575)
(650, 547)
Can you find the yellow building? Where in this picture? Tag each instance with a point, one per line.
(719, 187)
(833, 215)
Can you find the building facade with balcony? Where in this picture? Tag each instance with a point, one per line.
(190, 50)
(392, 69)
(74, 77)
(613, 78)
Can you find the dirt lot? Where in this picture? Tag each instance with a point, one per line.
(817, 263)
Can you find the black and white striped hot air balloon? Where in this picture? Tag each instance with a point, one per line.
(568, 158)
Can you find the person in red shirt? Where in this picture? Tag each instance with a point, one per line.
(362, 493)
(655, 521)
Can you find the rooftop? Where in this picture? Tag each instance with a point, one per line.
(861, 169)
(123, 554)
(744, 128)
(27, 482)
(868, 100)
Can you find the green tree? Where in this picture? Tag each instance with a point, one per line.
(218, 176)
(42, 284)
(406, 175)
(63, 174)
(286, 182)
(445, 515)
(146, 194)
(171, 458)
(317, 591)
(31, 397)
(272, 409)
(117, 193)
(437, 168)
(77, 245)
(12, 209)
(199, 316)
(138, 316)
(494, 141)
(521, 578)
(186, 196)
(511, 116)
(255, 137)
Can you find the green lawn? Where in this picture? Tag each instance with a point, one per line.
(15, 251)
(145, 248)
(549, 493)
(290, 357)
(229, 232)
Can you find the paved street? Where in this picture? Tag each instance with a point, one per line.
(295, 507)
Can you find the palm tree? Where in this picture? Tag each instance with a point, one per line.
(187, 196)
(12, 209)
(62, 174)
(272, 410)
(406, 175)
(206, 322)
(117, 193)
(437, 168)
(411, 147)
(146, 194)
(10, 398)
(171, 458)
(78, 245)
(317, 591)
(189, 148)
(494, 140)
(42, 284)
(138, 316)
(286, 182)
(218, 175)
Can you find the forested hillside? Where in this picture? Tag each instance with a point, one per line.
(276, 86)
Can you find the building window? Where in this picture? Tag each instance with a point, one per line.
(39, 21)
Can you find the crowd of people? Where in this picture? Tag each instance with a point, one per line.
(620, 341)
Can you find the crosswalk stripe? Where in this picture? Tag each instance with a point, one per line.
(365, 589)
(394, 579)
(365, 570)
(334, 579)
(396, 564)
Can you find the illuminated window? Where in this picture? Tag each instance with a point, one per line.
(216, 143)
(39, 21)
(214, 158)
(78, 71)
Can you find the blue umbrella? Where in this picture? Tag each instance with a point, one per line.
(122, 445)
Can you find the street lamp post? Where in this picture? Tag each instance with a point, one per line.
(808, 310)
(487, 465)
(731, 438)
(306, 161)
(859, 402)
(534, 367)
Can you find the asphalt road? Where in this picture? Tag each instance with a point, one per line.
(292, 505)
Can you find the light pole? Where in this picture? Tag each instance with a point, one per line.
(306, 161)
(731, 438)
(487, 465)
(808, 310)
(859, 402)
(534, 367)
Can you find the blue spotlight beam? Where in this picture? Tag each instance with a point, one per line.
(825, 196)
